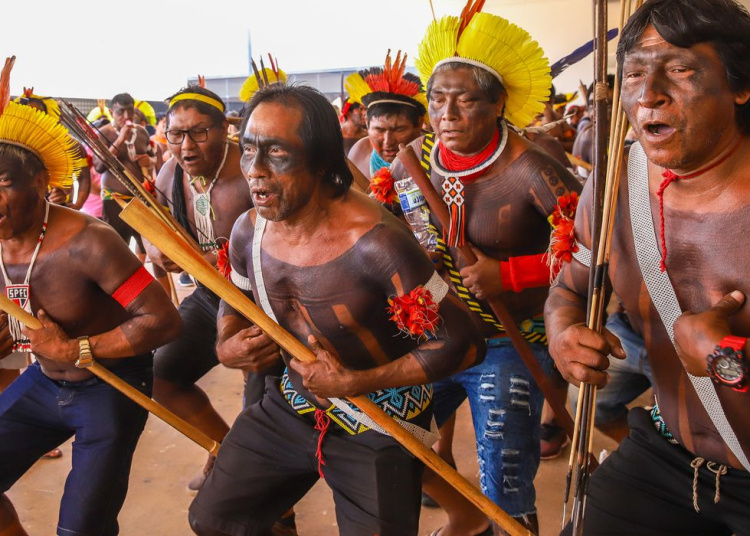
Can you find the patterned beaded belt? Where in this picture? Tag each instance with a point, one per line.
(404, 403)
(660, 425)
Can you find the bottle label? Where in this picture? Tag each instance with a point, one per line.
(411, 199)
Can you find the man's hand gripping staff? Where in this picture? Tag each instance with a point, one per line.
(142, 220)
(47, 329)
(412, 166)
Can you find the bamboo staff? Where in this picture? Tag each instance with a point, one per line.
(583, 431)
(172, 290)
(361, 182)
(578, 162)
(139, 218)
(412, 166)
(125, 388)
(602, 237)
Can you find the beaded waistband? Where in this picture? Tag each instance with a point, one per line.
(405, 403)
(660, 425)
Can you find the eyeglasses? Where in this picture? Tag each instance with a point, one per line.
(176, 137)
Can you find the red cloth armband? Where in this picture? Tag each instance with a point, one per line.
(133, 286)
(527, 271)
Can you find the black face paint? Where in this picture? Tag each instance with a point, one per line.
(275, 155)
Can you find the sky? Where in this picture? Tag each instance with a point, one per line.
(95, 49)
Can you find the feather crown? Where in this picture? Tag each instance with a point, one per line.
(147, 110)
(496, 45)
(50, 105)
(387, 84)
(37, 132)
(262, 77)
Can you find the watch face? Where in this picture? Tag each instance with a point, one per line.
(728, 369)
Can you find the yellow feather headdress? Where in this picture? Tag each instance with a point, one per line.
(40, 133)
(50, 104)
(99, 111)
(387, 84)
(261, 77)
(497, 46)
(147, 110)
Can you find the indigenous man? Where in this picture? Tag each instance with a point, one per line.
(332, 259)
(204, 188)
(92, 297)
(685, 89)
(353, 123)
(501, 190)
(130, 144)
(396, 104)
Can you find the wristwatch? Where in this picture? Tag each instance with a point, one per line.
(85, 357)
(727, 364)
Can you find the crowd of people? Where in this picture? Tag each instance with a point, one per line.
(315, 215)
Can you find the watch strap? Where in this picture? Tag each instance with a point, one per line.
(735, 343)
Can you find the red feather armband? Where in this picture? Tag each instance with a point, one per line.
(222, 260)
(133, 286)
(563, 241)
(527, 271)
(416, 314)
(382, 187)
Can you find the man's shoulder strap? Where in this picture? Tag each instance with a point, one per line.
(662, 292)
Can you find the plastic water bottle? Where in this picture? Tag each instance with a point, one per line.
(416, 212)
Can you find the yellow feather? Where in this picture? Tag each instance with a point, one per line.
(98, 112)
(421, 98)
(250, 86)
(438, 44)
(40, 133)
(510, 50)
(147, 110)
(356, 87)
(51, 104)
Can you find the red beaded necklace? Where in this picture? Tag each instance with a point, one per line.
(459, 171)
(456, 162)
(669, 177)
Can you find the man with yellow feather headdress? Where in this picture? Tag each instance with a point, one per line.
(49, 106)
(102, 304)
(486, 76)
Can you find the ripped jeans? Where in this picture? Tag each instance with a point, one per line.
(506, 407)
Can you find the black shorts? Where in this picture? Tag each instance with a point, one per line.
(267, 463)
(188, 358)
(645, 487)
(111, 216)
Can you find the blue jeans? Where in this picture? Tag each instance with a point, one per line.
(506, 408)
(628, 378)
(37, 414)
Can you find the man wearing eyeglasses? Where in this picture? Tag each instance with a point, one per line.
(204, 188)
